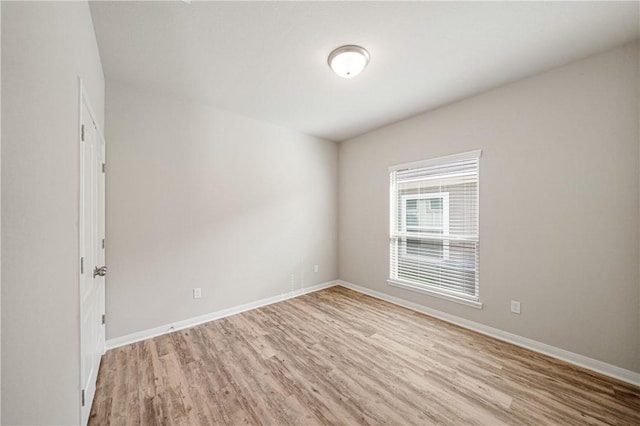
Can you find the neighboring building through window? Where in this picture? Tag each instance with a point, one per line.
(426, 213)
(434, 237)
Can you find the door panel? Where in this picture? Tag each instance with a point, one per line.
(91, 231)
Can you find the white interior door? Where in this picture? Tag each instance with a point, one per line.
(92, 254)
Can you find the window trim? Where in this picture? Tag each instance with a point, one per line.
(436, 161)
(440, 294)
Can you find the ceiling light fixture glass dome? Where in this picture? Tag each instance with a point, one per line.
(348, 61)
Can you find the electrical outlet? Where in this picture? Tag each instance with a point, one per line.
(197, 293)
(515, 307)
(316, 268)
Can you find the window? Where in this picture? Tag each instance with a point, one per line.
(426, 213)
(434, 237)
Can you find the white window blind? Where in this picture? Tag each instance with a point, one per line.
(434, 237)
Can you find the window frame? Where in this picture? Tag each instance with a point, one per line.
(396, 236)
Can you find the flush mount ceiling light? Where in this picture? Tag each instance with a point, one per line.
(348, 61)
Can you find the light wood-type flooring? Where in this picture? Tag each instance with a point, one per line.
(340, 357)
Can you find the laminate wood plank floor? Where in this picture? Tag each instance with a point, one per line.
(339, 357)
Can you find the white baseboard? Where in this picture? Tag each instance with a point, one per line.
(191, 322)
(570, 357)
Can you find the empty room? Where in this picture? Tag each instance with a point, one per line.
(319, 213)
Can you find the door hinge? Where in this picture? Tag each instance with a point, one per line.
(102, 167)
(83, 397)
(82, 265)
(82, 132)
(103, 319)
(103, 244)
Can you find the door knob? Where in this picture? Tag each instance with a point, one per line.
(99, 271)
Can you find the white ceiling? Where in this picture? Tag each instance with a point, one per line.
(267, 60)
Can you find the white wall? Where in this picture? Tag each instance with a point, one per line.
(197, 197)
(45, 47)
(0, 217)
(559, 204)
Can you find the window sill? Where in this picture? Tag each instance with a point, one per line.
(445, 296)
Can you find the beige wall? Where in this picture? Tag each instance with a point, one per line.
(45, 47)
(559, 204)
(197, 197)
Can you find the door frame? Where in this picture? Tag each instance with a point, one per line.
(83, 100)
